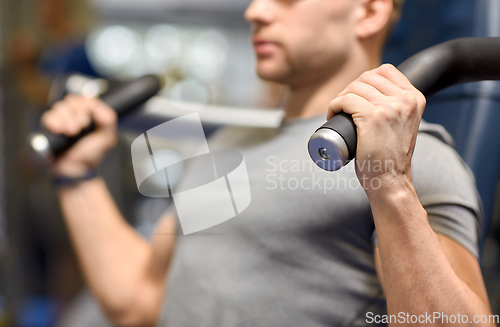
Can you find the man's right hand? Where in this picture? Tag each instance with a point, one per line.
(69, 117)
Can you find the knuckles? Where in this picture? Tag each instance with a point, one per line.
(423, 100)
(58, 106)
(387, 69)
(409, 100)
(406, 104)
(366, 77)
(380, 115)
(47, 119)
(357, 86)
(366, 74)
(395, 107)
(349, 97)
(110, 118)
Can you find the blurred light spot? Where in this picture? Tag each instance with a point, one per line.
(162, 46)
(94, 87)
(114, 46)
(190, 90)
(75, 83)
(40, 143)
(206, 58)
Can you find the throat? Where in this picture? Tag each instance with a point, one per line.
(311, 100)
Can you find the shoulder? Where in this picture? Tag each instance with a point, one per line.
(440, 174)
(447, 190)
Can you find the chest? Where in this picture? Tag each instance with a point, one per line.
(292, 196)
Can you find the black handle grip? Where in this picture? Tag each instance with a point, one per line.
(123, 100)
(343, 124)
(434, 69)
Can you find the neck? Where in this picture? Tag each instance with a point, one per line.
(312, 99)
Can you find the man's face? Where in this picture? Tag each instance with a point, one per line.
(299, 41)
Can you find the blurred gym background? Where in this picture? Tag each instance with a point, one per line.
(203, 49)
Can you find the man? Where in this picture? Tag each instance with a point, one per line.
(297, 256)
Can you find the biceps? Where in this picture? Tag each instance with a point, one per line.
(465, 265)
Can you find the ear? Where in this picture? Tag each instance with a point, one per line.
(373, 17)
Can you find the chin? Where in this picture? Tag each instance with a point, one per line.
(272, 71)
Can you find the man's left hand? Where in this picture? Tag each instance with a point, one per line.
(387, 110)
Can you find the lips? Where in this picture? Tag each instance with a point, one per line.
(263, 47)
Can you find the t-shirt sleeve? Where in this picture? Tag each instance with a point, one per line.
(456, 222)
(447, 190)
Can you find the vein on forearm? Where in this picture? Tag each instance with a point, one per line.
(417, 275)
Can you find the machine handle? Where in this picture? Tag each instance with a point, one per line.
(46, 145)
(430, 71)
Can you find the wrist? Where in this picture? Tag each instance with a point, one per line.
(61, 181)
(392, 190)
(68, 168)
(389, 185)
(396, 201)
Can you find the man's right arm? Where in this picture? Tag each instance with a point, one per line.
(125, 272)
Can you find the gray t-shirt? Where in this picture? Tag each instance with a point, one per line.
(301, 254)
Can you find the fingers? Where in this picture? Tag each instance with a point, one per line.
(392, 74)
(80, 116)
(379, 82)
(395, 76)
(52, 121)
(365, 90)
(352, 104)
(384, 87)
(72, 119)
(363, 108)
(70, 116)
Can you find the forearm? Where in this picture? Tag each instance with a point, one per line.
(416, 273)
(114, 258)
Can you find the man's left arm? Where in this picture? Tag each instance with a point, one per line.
(424, 273)
(421, 272)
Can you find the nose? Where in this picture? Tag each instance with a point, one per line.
(260, 12)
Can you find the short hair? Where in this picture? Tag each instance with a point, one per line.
(397, 10)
